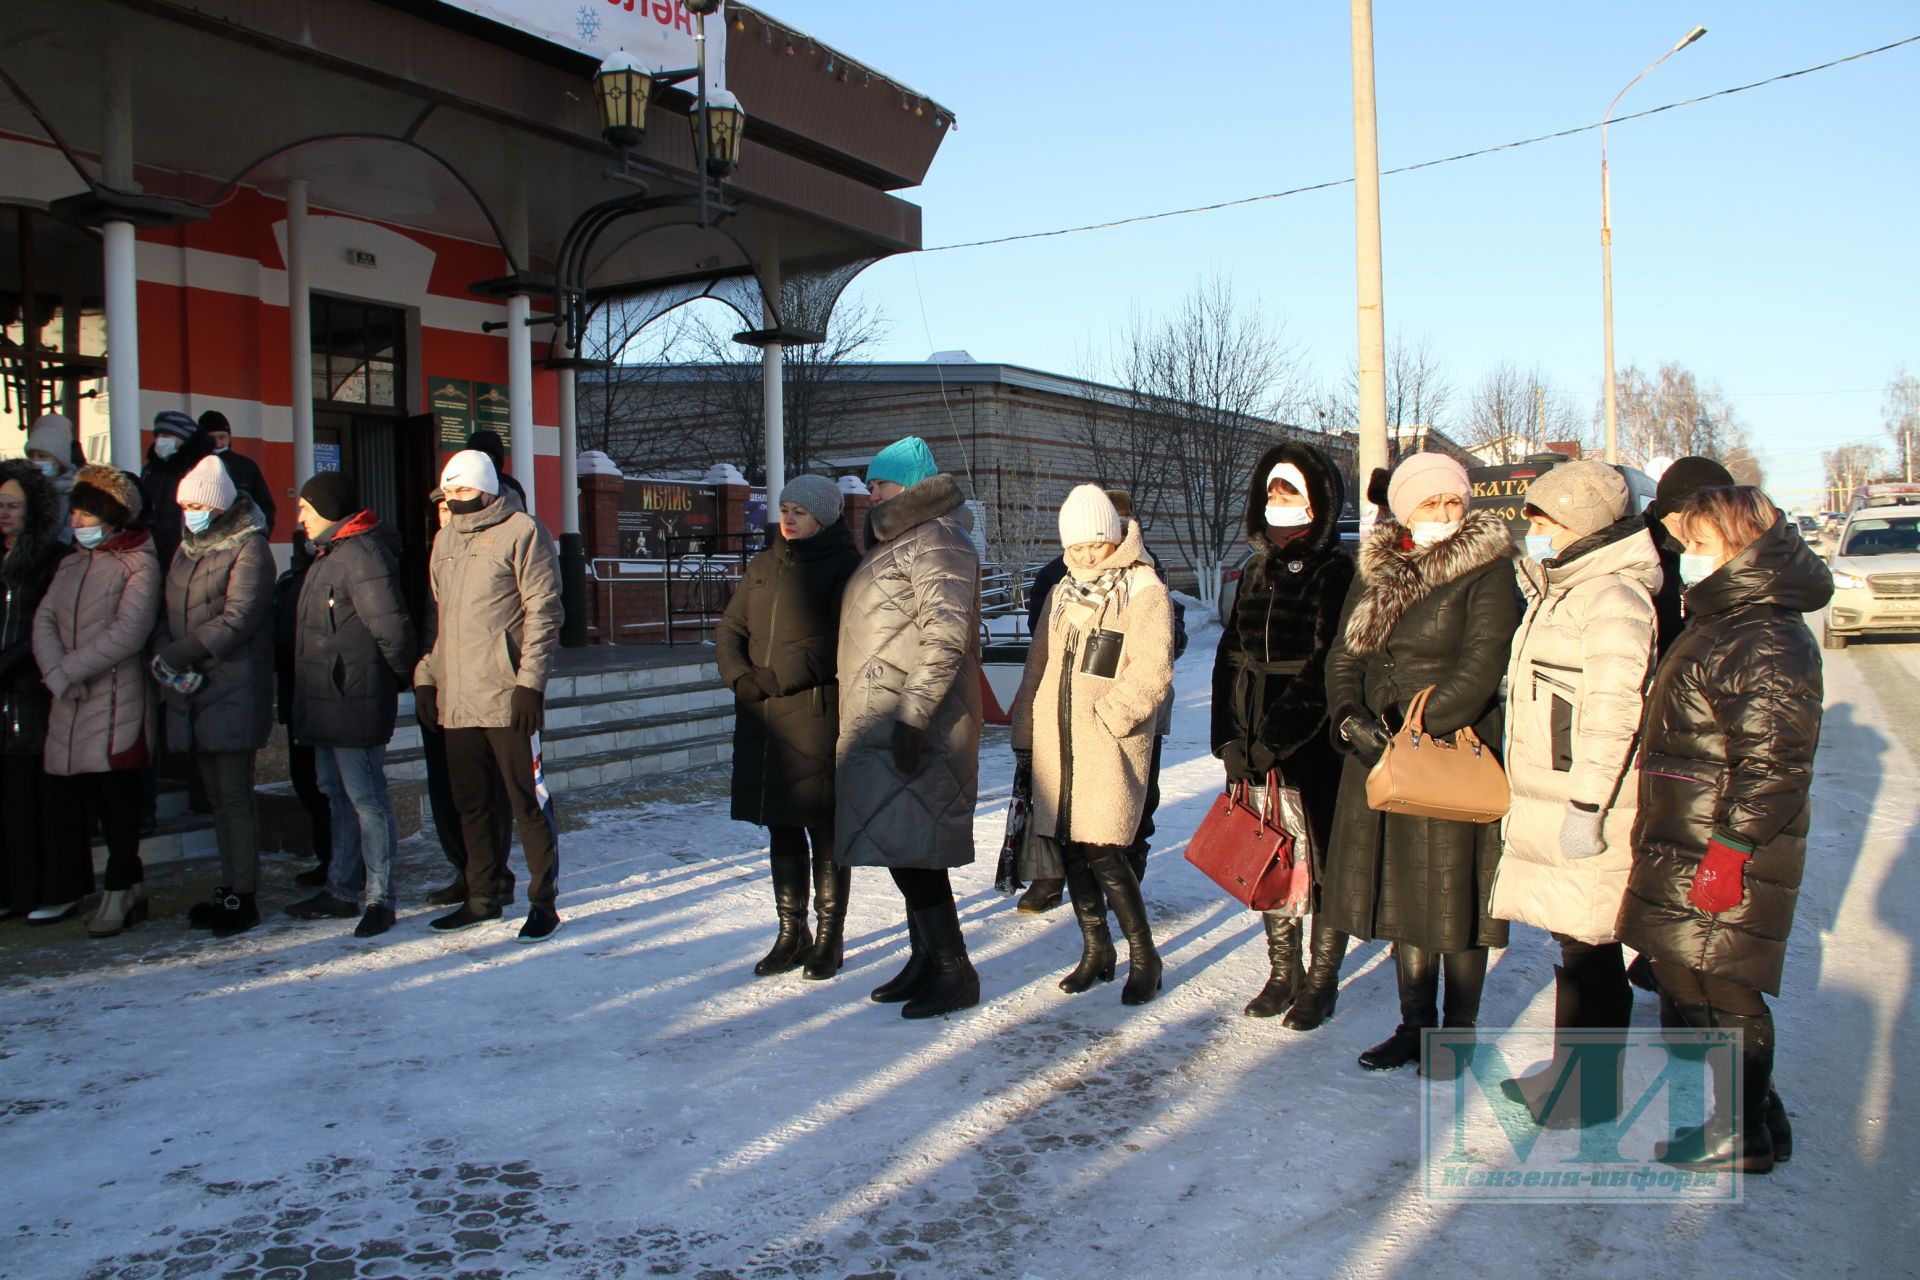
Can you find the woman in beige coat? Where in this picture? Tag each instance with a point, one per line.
(1099, 678)
(1575, 688)
(90, 639)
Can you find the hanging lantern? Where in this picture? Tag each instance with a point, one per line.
(701, 8)
(621, 90)
(726, 128)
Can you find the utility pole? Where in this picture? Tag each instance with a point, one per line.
(1366, 225)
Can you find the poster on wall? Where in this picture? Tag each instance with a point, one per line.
(491, 412)
(657, 34)
(664, 518)
(450, 400)
(326, 457)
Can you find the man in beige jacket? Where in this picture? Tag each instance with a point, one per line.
(483, 680)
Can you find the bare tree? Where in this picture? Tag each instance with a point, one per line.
(1672, 412)
(1514, 412)
(1419, 392)
(1215, 372)
(1849, 467)
(1901, 410)
(1021, 526)
(634, 412)
(1125, 433)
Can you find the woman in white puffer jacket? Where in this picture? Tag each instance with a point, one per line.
(1576, 686)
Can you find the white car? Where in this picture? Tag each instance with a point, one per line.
(1876, 575)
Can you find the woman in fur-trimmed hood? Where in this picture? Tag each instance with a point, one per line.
(1434, 605)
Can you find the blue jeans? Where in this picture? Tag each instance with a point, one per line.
(364, 832)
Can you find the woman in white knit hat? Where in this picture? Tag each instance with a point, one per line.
(213, 658)
(1099, 678)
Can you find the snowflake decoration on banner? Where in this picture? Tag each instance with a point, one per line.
(589, 20)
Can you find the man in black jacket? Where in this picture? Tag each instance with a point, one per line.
(353, 651)
(178, 445)
(242, 470)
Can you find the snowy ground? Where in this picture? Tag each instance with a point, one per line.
(628, 1100)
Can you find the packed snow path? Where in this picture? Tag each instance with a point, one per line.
(628, 1100)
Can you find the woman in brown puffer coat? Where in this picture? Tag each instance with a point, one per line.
(37, 876)
(90, 641)
(213, 655)
(1098, 680)
(1726, 767)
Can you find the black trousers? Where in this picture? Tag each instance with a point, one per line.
(44, 856)
(114, 798)
(1697, 986)
(479, 760)
(306, 785)
(446, 813)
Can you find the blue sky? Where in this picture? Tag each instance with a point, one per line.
(1762, 239)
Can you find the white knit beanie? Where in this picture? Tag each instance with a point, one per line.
(207, 484)
(1088, 515)
(470, 469)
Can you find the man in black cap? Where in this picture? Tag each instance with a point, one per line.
(178, 445)
(242, 470)
(489, 443)
(1678, 482)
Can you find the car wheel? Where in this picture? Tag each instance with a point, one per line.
(1831, 639)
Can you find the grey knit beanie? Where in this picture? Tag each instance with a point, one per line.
(1586, 497)
(819, 496)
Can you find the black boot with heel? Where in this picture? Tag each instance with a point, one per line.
(1090, 910)
(1283, 967)
(792, 943)
(1115, 875)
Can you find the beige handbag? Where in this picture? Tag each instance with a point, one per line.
(1421, 775)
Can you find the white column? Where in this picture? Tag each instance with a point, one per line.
(569, 441)
(520, 392)
(122, 284)
(299, 332)
(773, 391)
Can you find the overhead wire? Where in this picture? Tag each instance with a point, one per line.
(1424, 164)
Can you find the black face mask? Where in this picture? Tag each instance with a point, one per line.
(465, 506)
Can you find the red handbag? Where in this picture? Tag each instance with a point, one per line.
(1251, 854)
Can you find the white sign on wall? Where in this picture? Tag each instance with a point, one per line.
(657, 34)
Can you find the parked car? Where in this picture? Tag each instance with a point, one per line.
(1809, 528)
(1876, 575)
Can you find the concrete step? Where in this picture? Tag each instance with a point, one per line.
(175, 839)
(604, 767)
(636, 734)
(687, 697)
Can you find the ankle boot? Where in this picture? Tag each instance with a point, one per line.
(1731, 1139)
(1115, 875)
(1283, 965)
(236, 914)
(793, 941)
(201, 915)
(1041, 897)
(1320, 990)
(951, 984)
(830, 884)
(904, 984)
(120, 909)
(1417, 972)
(1090, 909)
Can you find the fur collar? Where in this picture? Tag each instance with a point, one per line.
(38, 538)
(229, 529)
(1394, 580)
(936, 496)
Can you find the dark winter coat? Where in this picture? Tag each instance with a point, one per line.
(247, 478)
(1442, 616)
(910, 652)
(160, 481)
(220, 594)
(286, 622)
(1666, 601)
(1270, 670)
(353, 641)
(776, 651)
(25, 574)
(1727, 750)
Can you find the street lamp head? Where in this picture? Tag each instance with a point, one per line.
(621, 91)
(1690, 37)
(726, 126)
(701, 8)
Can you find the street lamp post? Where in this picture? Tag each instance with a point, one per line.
(1606, 244)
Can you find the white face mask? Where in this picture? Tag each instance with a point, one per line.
(1289, 517)
(1696, 568)
(1428, 532)
(164, 447)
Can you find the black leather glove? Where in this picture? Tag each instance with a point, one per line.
(184, 654)
(529, 711)
(908, 743)
(426, 706)
(1247, 763)
(1366, 737)
(748, 689)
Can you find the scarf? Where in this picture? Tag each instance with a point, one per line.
(1081, 602)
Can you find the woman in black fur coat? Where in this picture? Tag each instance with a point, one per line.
(1269, 690)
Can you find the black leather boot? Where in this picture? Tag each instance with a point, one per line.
(904, 984)
(201, 915)
(793, 941)
(1283, 966)
(1041, 897)
(1090, 909)
(951, 984)
(1731, 1139)
(1115, 874)
(1418, 974)
(830, 884)
(1320, 990)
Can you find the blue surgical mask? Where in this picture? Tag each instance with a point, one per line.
(1695, 568)
(47, 467)
(91, 535)
(198, 521)
(1540, 546)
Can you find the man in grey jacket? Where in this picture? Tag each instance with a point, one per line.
(482, 680)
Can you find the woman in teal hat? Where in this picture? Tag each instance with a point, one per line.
(909, 747)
